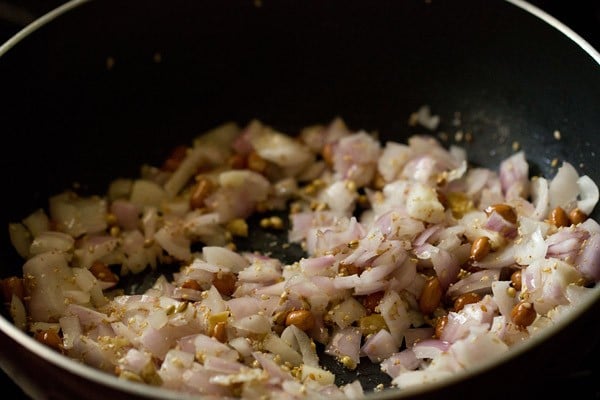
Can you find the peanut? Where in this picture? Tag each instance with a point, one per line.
(102, 272)
(504, 210)
(50, 338)
(225, 283)
(464, 299)
(440, 324)
(191, 284)
(175, 158)
(431, 296)
(576, 216)
(480, 248)
(327, 153)
(220, 332)
(371, 301)
(303, 319)
(515, 279)
(204, 187)
(12, 286)
(256, 163)
(523, 314)
(559, 218)
(237, 161)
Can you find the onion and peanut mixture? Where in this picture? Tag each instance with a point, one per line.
(414, 260)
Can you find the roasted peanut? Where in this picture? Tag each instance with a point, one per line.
(12, 286)
(237, 161)
(191, 284)
(175, 158)
(480, 248)
(576, 216)
(327, 153)
(349, 269)
(523, 314)
(442, 198)
(515, 279)
(225, 282)
(219, 332)
(102, 272)
(256, 163)
(303, 319)
(371, 301)
(440, 324)
(50, 338)
(378, 181)
(559, 218)
(204, 187)
(430, 296)
(504, 210)
(464, 299)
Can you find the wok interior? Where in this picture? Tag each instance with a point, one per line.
(112, 85)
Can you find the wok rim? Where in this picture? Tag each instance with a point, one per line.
(151, 392)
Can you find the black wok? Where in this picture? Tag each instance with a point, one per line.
(97, 88)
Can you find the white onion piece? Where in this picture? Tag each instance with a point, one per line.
(566, 243)
(393, 310)
(540, 196)
(353, 390)
(399, 362)
(51, 241)
(422, 203)
(588, 194)
(194, 158)
(93, 248)
(393, 158)
(256, 324)
(379, 346)
(126, 212)
(348, 312)
(588, 261)
(173, 240)
(45, 289)
(119, 188)
(430, 348)
(546, 281)
(514, 176)
(20, 238)
(217, 141)
(208, 346)
(426, 119)
(272, 368)
(477, 348)
(71, 329)
(18, 313)
(345, 343)
(355, 157)
(564, 188)
(414, 335)
(76, 215)
(305, 345)
(479, 282)
(37, 222)
(531, 248)
(276, 345)
(145, 193)
(339, 197)
(280, 149)
(225, 258)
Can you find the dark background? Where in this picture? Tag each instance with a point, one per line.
(581, 16)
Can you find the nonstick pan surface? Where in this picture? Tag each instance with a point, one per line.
(512, 77)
